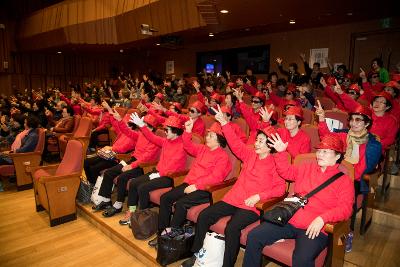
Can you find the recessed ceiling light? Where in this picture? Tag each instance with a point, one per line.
(158, 44)
(349, 14)
(247, 29)
(121, 50)
(292, 21)
(211, 34)
(224, 11)
(59, 52)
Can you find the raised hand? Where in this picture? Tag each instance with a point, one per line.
(279, 60)
(265, 115)
(134, 118)
(323, 82)
(196, 86)
(337, 88)
(220, 116)
(319, 111)
(303, 56)
(116, 115)
(106, 106)
(189, 125)
(238, 93)
(277, 143)
(239, 82)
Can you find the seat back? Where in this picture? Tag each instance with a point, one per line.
(337, 115)
(77, 119)
(84, 127)
(192, 99)
(135, 103)
(312, 132)
(326, 102)
(243, 125)
(73, 158)
(319, 93)
(308, 116)
(121, 111)
(236, 164)
(42, 137)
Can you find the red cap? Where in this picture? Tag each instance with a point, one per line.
(260, 81)
(150, 119)
(260, 96)
(393, 84)
(331, 80)
(291, 87)
(225, 109)
(354, 87)
(217, 97)
(268, 131)
(216, 128)
(396, 76)
(362, 110)
(160, 96)
(297, 111)
(331, 141)
(199, 106)
(173, 121)
(349, 76)
(384, 94)
(231, 84)
(177, 105)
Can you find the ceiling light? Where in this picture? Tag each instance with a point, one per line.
(349, 14)
(292, 21)
(224, 11)
(211, 34)
(158, 44)
(59, 52)
(121, 50)
(247, 29)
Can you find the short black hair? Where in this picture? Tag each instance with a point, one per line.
(272, 149)
(379, 61)
(317, 64)
(294, 65)
(221, 140)
(177, 131)
(339, 160)
(281, 81)
(387, 103)
(32, 121)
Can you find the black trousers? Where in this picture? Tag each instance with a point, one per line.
(94, 137)
(140, 188)
(93, 167)
(239, 220)
(304, 254)
(353, 216)
(123, 178)
(183, 202)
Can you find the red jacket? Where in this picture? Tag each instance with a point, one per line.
(334, 203)
(105, 120)
(385, 127)
(298, 144)
(238, 131)
(253, 119)
(145, 151)
(258, 176)
(123, 143)
(75, 107)
(359, 167)
(209, 167)
(172, 157)
(328, 92)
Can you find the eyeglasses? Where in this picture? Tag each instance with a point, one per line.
(255, 102)
(193, 111)
(356, 120)
(352, 93)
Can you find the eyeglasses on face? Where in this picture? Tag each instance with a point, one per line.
(255, 102)
(356, 120)
(193, 111)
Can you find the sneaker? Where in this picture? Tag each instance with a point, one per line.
(127, 218)
(349, 242)
(153, 243)
(189, 262)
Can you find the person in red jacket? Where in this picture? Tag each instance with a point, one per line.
(236, 128)
(172, 160)
(332, 204)
(145, 151)
(299, 142)
(210, 167)
(258, 180)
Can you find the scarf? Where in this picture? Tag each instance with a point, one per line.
(353, 142)
(18, 140)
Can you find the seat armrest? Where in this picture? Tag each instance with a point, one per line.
(45, 179)
(124, 157)
(212, 188)
(26, 154)
(30, 169)
(338, 228)
(267, 204)
(178, 174)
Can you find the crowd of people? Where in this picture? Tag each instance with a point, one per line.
(273, 110)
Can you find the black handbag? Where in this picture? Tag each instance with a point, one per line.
(171, 249)
(84, 192)
(281, 213)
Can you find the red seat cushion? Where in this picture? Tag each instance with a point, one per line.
(283, 251)
(40, 173)
(219, 227)
(156, 194)
(7, 170)
(193, 212)
(246, 231)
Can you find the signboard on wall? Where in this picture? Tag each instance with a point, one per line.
(169, 67)
(319, 55)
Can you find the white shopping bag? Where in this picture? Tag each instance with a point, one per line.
(95, 198)
(333, 124)
(212, 252)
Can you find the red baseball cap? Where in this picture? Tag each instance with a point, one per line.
(177, 105)
(231, 84)
(332, 141)
(225, 109)
(200, 107)
(173, 121)
(297, 111)
(362, 110)
(217, 97)
(160, 96)
(291, 87)
(150, 119)
(260, 96)
(384, 94)
(354, 87)
(269, 131)
(260, 81)
(216, 128)
(331, 80)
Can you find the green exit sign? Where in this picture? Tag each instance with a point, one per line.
(385, 23)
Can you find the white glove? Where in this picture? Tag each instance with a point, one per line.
(136, 120)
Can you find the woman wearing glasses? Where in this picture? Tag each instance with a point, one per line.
(362, 149)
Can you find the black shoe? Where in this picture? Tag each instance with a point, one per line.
(111, 211)
(153, 243)
(101, 206)
(189, 262)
